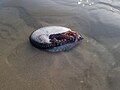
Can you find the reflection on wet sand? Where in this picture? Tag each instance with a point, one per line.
(92, 65)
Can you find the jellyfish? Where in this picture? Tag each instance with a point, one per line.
(55, 38)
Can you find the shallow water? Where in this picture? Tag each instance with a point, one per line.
(93, 65)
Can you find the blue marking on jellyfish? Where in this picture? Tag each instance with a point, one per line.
(65, 47)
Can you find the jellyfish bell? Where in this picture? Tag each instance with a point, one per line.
(55, 38)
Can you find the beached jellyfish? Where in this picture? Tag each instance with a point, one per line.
(55, 38)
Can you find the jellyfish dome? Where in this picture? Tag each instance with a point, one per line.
(55, 38)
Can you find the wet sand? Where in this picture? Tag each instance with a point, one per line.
(93, 65)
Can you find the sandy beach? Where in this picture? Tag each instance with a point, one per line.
(94, 64)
